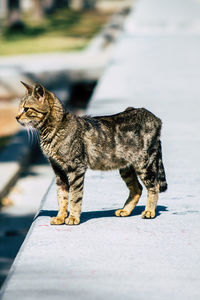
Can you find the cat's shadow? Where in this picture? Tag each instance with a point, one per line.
(86, 216)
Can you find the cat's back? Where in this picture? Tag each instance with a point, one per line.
(131, 116)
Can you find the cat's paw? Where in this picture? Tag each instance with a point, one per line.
(122, 213)
(57, 220)
(147, 214)
(72, 220)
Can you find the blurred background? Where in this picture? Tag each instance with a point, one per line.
(30, 27)
(64, 45)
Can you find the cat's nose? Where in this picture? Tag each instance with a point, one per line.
(17, 118)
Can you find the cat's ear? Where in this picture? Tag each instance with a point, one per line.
(39, 92)
(28, 87)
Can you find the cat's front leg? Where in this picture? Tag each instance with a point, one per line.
(62, 197)
(76, 181)
(62, 184)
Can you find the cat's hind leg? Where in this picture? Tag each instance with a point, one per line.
(130, 178)
(152, 199)
(149, 178)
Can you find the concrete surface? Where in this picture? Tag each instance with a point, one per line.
(12, 161)
(16, 219)
(106, 257)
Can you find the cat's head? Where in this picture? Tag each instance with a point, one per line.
(34, 107)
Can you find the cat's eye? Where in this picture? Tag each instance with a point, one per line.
(26, 109)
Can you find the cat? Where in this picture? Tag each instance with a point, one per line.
(128, 141)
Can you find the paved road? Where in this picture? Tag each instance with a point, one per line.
(155, 64)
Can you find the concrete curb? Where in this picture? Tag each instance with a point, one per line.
(13, 159)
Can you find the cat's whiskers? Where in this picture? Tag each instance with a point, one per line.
(36, 135)
(28, 133)
(33, 135)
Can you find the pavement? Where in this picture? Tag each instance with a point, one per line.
(155, 64)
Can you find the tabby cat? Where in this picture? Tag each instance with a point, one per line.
(128, 141)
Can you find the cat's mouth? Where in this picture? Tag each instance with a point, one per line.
(20, 122)
(29, 124)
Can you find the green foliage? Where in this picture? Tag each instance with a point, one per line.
(65, 30)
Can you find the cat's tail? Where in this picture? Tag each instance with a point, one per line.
(161, 171)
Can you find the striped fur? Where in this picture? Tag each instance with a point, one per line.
(128, 141)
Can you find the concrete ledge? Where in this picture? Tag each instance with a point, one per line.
(12, 161)
(81, 261)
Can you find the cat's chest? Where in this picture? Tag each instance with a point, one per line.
(52, 149)
(57, 150)
(47, 149)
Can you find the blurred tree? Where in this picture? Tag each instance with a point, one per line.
(49, 6)
(46, 7)
(82, 4)
(3, 8)
(38, 9)
(14, 18)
